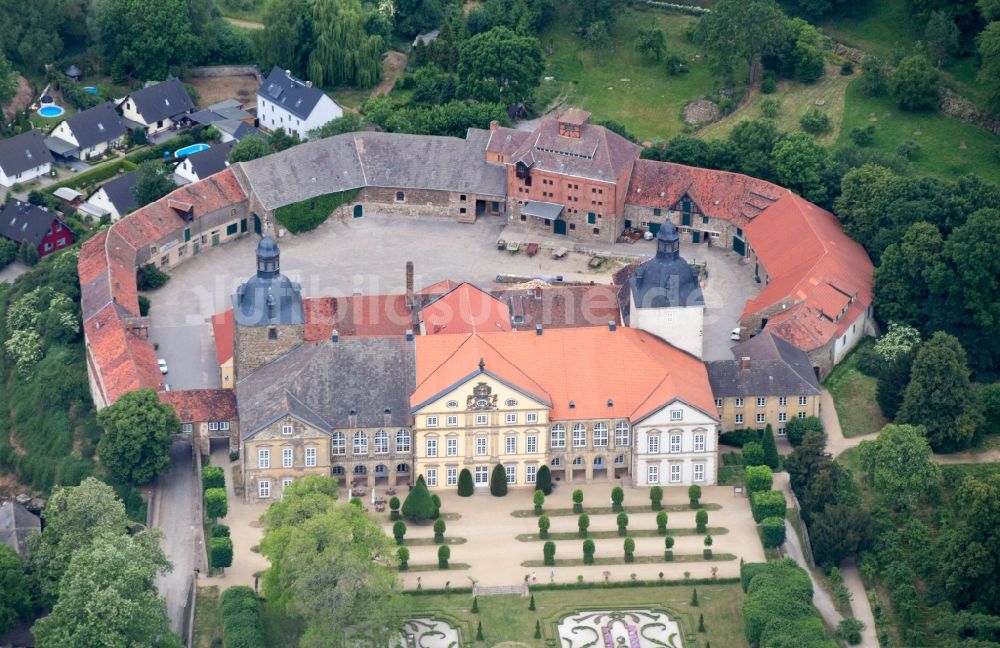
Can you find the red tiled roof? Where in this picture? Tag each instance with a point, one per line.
(201, 405)
(562, 306)
(636, 371)
(465, 309)
(119, 359)
(437, 288)
(598, 153)
(358, 315)
(719, 194)
(504, 141)
(222, 330)
(824, 275)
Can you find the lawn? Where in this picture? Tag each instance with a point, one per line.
(854, 396)
(507, 618)
(948, 148)
(627, 87)
(796, 99)
(207, 622)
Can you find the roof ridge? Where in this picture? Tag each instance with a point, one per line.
(451, 355)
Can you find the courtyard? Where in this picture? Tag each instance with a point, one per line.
(367, 255)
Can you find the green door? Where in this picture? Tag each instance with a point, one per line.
(256, 224)
(559, 226)
(215, 238)
(654, 228)
(696, 237)
(739, 247)
(686, 219)
(197, 247)
(359, 211)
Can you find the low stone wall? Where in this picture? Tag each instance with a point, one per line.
(226, 70)
(962, 109)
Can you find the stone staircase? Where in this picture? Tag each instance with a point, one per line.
(521, 589)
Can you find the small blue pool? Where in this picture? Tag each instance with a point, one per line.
(90, 89)
(188, 150)
(51, 110)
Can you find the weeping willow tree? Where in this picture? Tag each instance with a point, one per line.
(343, 52)
(322, 40)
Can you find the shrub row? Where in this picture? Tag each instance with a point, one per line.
(777, 610)
(94, 176)
(241, 625)
(309, 214)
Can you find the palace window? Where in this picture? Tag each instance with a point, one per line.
(338, 443)
(760, 417)
(532, 444)
(531, 417)
(579, 435)
(451, 476)
(699, 472)
(761, 401)
(802, 415)
(529, 474)
(286, 429)
(558, 436)
(653, 474)
(621, 434)
(286, 457)
(782, 401)
(675, 443)
(739, 402)
(511, 473)
(782, 417)
(510, 445)
(699, 443)
(718, 403)
(653, 443)
(802, 401)
(432, 477)
(451, 420)
(600, 435)
(482, 475)
(263, 458)
(264, 488)
(482, 419)
(432, 447)
(310, 457)
(360, 442)
(403, 441)
(481, 446)
(739, 419)
(677, 415)
(451, 447)
(511, 419)
(675, 473)
(381, 442)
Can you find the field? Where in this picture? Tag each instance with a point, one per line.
(948, 148)
(214, 89)
(625, 86)
(507, 618)
(854, 395)
(207, 622)
(796, 98)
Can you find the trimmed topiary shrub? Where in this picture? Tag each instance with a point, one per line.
(622, 521)
(543, 526)
(220, 552)
(694, 496)
(436, 501)
(796, 429)
(543, 480)
(772, 531)
(668, 544)
(466, 487)
(629, 547)
(739, 438)
(583, 523)
(399, 531)
(701, 520)
(549, 553)
(539, 500)
(240, 619)
(588, 552)
(216, 503)
(418, 505)
(767, 504)
(403, 556)
(617, 497)
(219, 531)
(771, 457)
(753, 454)
(213, 477)
(708, 547)
(394, 508)
(578, 501)
(661, 523)
(444, 553)
(656, 498)
(439, 527)
(498, 481)
(758, 478)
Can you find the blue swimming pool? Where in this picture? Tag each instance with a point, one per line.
(188, 150)
(90, 89)
(51, 110)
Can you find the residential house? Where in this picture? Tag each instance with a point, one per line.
(23, 222)
(769, 383)
(229, 118)
(23, 157)
(199, 166)
(158, 107)
(205, 414)
(296, 106)
(114, 197)
(88, 134)
(17, 525)
(336, 407)
(584, 401)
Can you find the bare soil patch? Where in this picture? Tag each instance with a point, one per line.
(701, 112)
(22, 99)
(393, 65)
(215, 89)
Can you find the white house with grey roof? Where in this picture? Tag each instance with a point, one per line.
(114, 197)
(294, 105)
(88, 134)
(199, 166)
(158, 107)
(23, 157)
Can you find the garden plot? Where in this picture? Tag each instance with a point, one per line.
(620, 629)
(427, 633)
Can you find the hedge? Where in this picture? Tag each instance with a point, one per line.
(220, 552)
(738, 438)
(767, 504)
(800, 632)
(758, 478)
(309, 214)
(772, 531)
(213, 477)
(216, 503)
(779, 592)
(94, 176)
(240, 616)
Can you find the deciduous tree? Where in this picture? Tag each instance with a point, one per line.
(499, 66)
(135, 446)
(249, 148)
(898, 465)
(152, 183)
(651, 41)
(144, 40)
(914, 84)
(988, 46)
(16, 591)
(742, 30)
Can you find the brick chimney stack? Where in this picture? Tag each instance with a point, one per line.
(409, 285)
(494, 124)
(744, 362)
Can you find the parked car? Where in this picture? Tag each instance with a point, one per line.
(733, 335)
(163, 365)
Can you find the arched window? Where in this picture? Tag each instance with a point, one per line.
(338, 443)
(600, 435)
(579, 435)
(360, 470)
(360, 442)
(381, 442)
(337, 471)
(598, 462)
(558, 436)
(403, 468)
(621, 434)
(578, 461)
(403, 441)
(556, 463)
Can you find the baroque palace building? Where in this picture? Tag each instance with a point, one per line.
(598, 382)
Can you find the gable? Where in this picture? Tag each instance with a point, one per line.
(690, 415)
(463, 393)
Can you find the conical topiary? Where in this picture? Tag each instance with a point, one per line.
(543, 480)
(479, 631)
(475, 605)
(466, 488)
(694, 598)
(531, 604)
(701, 623)
(498, 481)
(771, 457)
(418, 505)
(538, 629)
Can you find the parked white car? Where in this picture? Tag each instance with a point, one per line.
(163, 365)
(733, 335)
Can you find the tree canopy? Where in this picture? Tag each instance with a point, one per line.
(16, 601)
(152, 183)
(330, 567)
(249, 148)
(898, 464)
(914, 84)
(742, 30)
(499, 66)
(135, 446)
(144, 40)
(8, 81)
(988, 47)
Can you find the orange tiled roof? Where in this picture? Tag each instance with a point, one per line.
(437, 288)
(824, 276)
(357, 315)
(201, 405)
(465, 309)
(119, 359)
(222, 330)
(637, 372)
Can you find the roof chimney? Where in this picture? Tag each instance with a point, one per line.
(745, 362)
(409, 285)
(288, 73)
(538, 329)
(335, 336)
(572, 404)
(612, 326)
(494, 124)
(611, 403)
(409, 335)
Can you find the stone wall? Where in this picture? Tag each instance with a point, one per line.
(253, 346)
(226, 70)
(962, 109)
